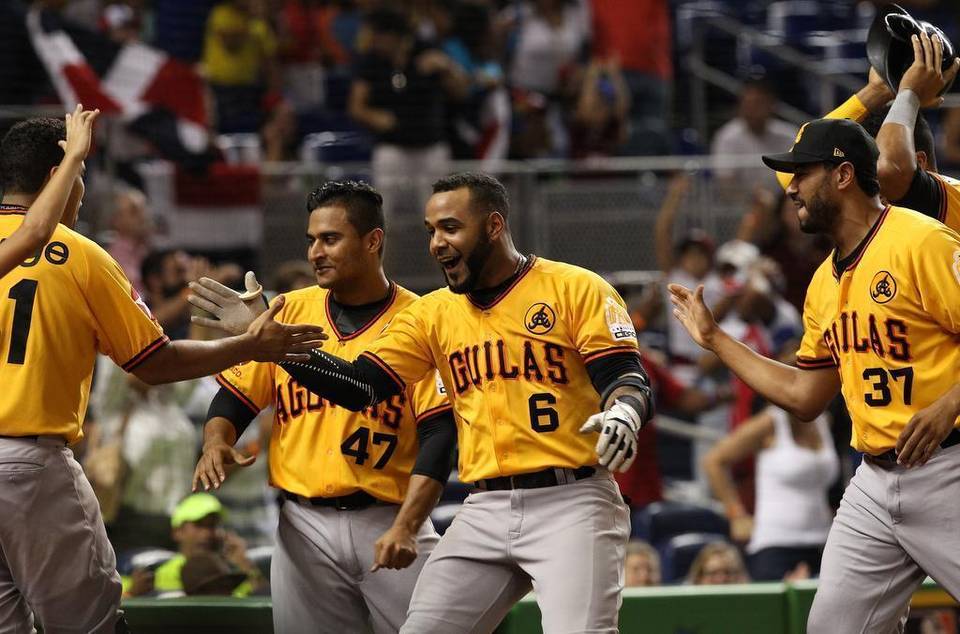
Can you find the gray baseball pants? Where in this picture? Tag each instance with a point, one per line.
(895, 526)
(56, 561)
(320, 572)
(567, 542)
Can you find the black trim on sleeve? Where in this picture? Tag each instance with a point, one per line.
(437, 435)
(925, 195)
(354, 385)
(226, 404)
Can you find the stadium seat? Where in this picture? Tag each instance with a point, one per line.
(661, 521)
(678, 554)
(336, 147)
(443, 515)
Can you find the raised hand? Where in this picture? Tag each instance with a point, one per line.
(690, 309)
(79, 126)
(925, 77)
(232, 312)
(273, 341)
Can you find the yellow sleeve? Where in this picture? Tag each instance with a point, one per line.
(403, 349)
(429, 397)
(852, 108)
(598, 319)
(814, 353)
(252, 383)
(126, 329)
(937, 277)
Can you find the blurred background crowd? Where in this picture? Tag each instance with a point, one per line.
(628, 133)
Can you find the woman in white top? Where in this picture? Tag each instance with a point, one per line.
(796, 464)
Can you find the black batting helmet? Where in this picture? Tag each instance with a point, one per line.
(889, 48)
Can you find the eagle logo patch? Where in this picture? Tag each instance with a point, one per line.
(539, 319)
(883, 288)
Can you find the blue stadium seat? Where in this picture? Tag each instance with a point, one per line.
(661, 521)
(336, 147)
(678, 554)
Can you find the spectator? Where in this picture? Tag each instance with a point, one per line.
(400, 93)
(642, 565)
(718, 563)
(600, 119)
(637, 34)
(197, 531)
(292, 275)
(796, 465)
(132, 233)
(481, 123)
(548, 38)
(754, 131)
(210, 574)
(165, 275)
(239, 61)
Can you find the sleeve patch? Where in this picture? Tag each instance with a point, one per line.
(618, 321)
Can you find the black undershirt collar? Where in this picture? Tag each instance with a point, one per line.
(486, 296)
(349, 319)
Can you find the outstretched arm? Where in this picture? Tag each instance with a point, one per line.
(803, 393)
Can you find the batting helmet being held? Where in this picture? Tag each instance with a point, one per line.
(890, 50)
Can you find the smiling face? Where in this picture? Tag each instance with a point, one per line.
(461, 238)
(339, 254)
(814, 196)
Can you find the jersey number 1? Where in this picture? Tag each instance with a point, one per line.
(23, 294)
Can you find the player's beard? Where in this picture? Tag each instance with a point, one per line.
(473, 264)
(822, 213)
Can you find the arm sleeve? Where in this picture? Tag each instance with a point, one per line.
(226, 404)
(925, 195)
(605, 371)
(598, 319)
(125, 327)
(937, 277)
(354, 385)
(852, 108)
(437, 435)
(814, 353)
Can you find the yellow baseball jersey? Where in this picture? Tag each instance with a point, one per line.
(890, 323)
(515, 370)
(318, 449)
(57, 310)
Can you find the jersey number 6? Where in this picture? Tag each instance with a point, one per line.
(543, 418)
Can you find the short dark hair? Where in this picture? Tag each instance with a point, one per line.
(28, 152)
(922, 135)
(487, 194)
(869, 184)
(363, 203)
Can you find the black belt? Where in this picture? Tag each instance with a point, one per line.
(889, 458)
(549, 477)
(352, 502)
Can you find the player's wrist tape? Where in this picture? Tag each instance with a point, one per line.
(638, 382)
(904, 110)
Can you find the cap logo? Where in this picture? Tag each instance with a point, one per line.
(838, 152)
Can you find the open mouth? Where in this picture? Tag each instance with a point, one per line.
(450, 263)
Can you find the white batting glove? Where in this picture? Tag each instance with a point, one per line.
(618, 427)
(232, 312)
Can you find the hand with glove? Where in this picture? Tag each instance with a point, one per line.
(618, 427)
(232, 312)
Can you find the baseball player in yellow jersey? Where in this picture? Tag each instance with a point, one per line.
(536, 357)
(882, 322)
(907, 167)
(58, 309)
(44, 215)
(351, 504)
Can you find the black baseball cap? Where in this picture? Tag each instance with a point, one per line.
(833, 141)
